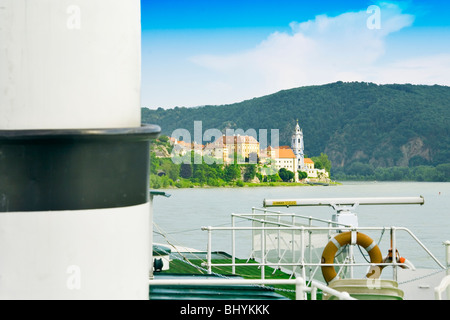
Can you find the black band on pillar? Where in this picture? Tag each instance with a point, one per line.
(56, 170)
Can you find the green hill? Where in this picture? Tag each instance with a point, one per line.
(363, 125)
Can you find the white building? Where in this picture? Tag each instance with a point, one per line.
(282, 157)
(285, 158)
(298, 147)
(305, 165)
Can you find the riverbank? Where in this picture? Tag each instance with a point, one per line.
(291, 184)
(159, 183)
(165, 173)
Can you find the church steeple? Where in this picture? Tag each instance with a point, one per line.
(298, 146)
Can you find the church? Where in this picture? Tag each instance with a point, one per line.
(298, 146)
(305, 164)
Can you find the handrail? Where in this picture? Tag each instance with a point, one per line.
(421, 244)
(302, 263)
(300, 285)
(445, 283)
(278, 213)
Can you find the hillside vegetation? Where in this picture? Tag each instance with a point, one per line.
(367, 130)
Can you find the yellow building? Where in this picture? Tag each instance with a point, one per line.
(309, 164)
(227, 146)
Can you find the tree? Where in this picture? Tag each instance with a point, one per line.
(232, 172)
(273, 178)
(322, 162)
(186, 170)
(302, 175)
(199, 173)
(154, 163)
(163, 138)
(286, 175)
(250, 172)
(172, 170)
(444, 170)
(359, 168)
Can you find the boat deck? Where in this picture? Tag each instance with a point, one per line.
(189, 266)
(287, 248)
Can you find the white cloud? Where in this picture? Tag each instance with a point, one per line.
(428, 70)
(323, 50)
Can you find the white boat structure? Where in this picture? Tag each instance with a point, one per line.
(325, 259)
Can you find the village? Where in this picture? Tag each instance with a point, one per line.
(289, 162)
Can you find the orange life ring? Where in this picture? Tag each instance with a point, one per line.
(343, 239)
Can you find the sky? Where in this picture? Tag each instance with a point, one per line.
(198, 52)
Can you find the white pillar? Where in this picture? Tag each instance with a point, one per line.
(74, 204)
(69, 64)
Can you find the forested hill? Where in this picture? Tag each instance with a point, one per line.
(364, 123)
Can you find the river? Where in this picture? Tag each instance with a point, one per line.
(181, 216)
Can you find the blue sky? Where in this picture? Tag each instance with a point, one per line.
(218, 52)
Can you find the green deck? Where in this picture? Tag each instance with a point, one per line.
(179, 268)
(189, 265)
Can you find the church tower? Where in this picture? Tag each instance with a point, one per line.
(298, 146)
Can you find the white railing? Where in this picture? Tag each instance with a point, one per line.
(301, 261)
(263, 221)
(445, 283)
(300, 285)
(263, 216)
(438, 291)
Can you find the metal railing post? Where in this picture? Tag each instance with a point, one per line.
(209, 258)
(302, 252)
(310, 246)
(300, 287)
(233, 245)
(263, 251)
(279, 240)
(443, 286)
(313, 293)
(447, 261)
(394, 254)
(293, 243)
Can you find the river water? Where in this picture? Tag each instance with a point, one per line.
(181, 216)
